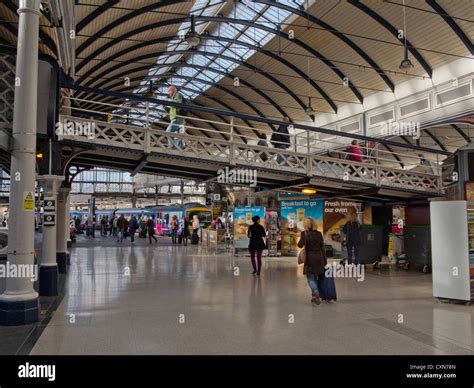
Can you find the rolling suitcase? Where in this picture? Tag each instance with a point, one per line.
(327, 287)
(194, 238)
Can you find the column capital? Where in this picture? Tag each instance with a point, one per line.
(32, 6)
(50, 183)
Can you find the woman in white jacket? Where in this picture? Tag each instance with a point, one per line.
(196, 224)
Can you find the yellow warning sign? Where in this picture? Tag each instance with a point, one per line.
(28, 201)
(390, 246)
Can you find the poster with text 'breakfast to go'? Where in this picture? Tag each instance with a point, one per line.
(293, 214)
(243, 219)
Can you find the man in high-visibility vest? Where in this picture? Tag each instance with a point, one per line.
(176, 121)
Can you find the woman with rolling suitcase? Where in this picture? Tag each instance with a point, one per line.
(315, 257)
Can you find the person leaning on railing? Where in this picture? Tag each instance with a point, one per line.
(354, 151)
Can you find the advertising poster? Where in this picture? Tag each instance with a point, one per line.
(336, 214)
(293, 214)
(242, 220)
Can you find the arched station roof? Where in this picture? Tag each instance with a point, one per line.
(282, 52)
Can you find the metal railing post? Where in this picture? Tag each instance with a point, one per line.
(147, 128)
(377, 164)
(308, 156)
(307, 143)
(147, 114)
(439, 175)
(147, 140)
(231, 144)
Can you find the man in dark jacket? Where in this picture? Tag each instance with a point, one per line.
(111, 225)
(352, 232)
(120, 228)
(133, 226)
(281, 138)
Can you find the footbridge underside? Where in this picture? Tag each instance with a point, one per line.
(155, 151)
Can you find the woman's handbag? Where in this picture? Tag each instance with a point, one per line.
(302, 254)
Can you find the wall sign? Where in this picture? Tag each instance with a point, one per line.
(49, 219)
(49, 205)
(28, 201)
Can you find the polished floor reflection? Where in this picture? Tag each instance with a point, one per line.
(163, 299)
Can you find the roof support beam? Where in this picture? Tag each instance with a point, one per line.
(336, 33)
(186, 65)
(44, 37)
(109, 4)
(461, 132)
(142, 163)
(435, 139)
(196, 52)
(248, 23)
(389, 149)
(374, 15)
(95, 14)
(454, 26)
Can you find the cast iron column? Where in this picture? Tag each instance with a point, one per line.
(19, 303)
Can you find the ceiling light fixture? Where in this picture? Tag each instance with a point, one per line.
(405, 64)
(309, 191)
(192, 37)
(309, 109)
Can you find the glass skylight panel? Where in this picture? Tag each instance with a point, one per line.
(189, 71)
(207, 76)
(199, 85)
(248, 10)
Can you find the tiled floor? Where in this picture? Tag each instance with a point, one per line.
(19, 340)
(161, 299)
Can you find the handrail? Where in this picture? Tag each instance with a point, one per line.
(142, 115)
(138, 98)
(211, 150)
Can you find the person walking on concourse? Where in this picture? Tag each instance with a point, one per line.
(256, 234)
(151, 230)
(133, 226)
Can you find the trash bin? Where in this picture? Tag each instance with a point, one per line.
(417, 240)
(371, 244)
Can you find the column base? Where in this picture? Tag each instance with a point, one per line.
(19, 313)
(48, 280)
(61, 260)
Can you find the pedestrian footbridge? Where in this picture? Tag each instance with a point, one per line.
(133, 136)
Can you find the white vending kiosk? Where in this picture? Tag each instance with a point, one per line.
(452, 243)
